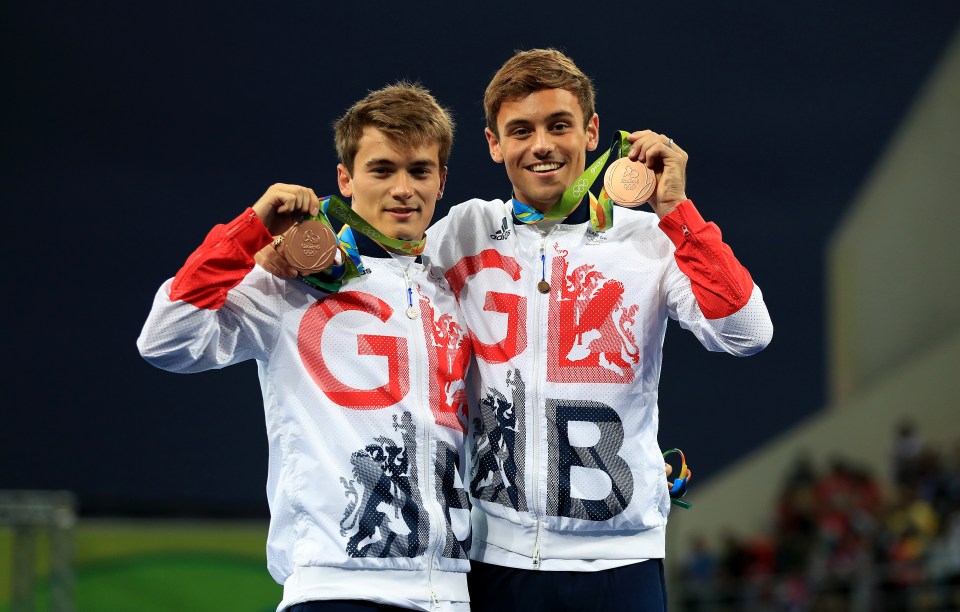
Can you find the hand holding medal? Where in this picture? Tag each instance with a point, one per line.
(307, 243)
(281, 205)
(650, 169)
(309, 246)
(663, 159)
(331, 276)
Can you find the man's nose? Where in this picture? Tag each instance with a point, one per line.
(402, 188)
(542, 144)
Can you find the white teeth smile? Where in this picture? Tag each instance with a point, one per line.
(546, 167)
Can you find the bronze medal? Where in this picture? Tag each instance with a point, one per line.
(543, 287)
(629, 183)
(309, 246)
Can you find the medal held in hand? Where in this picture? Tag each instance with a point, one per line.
(629, 183)
(309, 246)
(626, 183)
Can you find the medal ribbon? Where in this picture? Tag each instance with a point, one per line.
(331, 279)
(678, 488)
(601, 210)
(334, 206)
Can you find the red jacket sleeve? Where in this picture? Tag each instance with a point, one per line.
(719, 282)
(221, 262)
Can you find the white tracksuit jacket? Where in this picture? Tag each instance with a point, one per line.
(564, 467)
(365, 414)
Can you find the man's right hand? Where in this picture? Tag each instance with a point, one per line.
(279, 208)
(282, 205)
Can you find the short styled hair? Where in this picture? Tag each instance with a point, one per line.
(406, 112)
(530, 71)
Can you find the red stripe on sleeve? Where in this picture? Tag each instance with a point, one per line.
(719, 282)
(221, 262)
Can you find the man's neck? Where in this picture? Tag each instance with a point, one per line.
(579, 214)
(542, 207)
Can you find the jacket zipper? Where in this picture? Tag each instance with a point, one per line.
(538, 514)
(426, 478)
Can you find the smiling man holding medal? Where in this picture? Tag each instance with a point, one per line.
(566, 301)
(361, 357)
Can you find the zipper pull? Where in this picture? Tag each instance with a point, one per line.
(412, 313)
(434, 600)
(536, 549)
(543, 286)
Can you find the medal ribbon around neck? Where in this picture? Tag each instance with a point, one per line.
(331, 279)
(601, 209)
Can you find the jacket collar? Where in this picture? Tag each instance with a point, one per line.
(580, 214)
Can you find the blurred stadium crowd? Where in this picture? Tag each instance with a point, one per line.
(841, 538)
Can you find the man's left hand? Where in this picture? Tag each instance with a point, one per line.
(668, 162)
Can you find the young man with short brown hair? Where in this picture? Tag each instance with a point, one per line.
(567, 310)
(361, 367)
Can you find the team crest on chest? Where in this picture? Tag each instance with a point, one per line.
(383, 517)
(591, 335)
(448, 355)
(497, 449)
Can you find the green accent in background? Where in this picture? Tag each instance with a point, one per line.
(159, 566)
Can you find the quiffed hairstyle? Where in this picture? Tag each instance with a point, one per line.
(530, 71)
(406, 112)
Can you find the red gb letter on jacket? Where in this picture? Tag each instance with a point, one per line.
(393, 348)
(513, 306)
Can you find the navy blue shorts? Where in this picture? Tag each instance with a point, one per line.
(638, 587)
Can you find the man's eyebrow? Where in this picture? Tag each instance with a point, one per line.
(515, 122)
(563, 114)
(379, 162)
(425, 161)
(385, 161)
